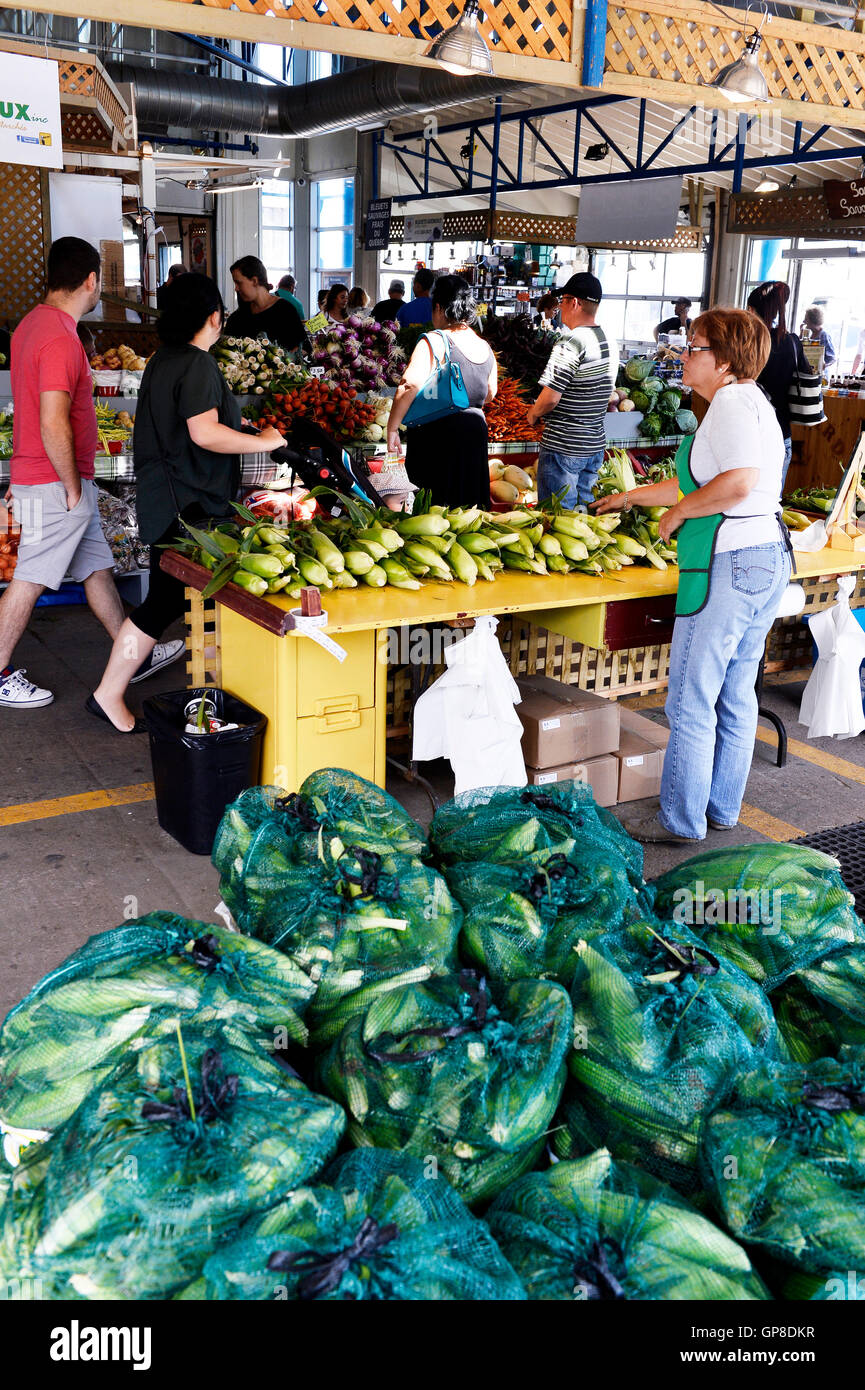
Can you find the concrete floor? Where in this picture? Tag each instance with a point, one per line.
(68, 876)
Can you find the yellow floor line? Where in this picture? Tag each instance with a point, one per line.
(809, 754)
(770, 826)
(83, 801)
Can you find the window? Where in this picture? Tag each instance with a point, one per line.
(640, 287)
(131, 256)
(834, 281)
(332, 232)
(274, 59)
(277, 227)
(766, 262)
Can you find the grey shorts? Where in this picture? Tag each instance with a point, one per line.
(55, 543)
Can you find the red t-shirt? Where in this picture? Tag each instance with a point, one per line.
(47, 355)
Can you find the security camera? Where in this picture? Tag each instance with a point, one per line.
(301, 182)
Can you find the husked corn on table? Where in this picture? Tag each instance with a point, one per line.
(325, 713)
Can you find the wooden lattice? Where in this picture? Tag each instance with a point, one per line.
(22, 235)
(685, 239)
(534, 228)
(456, 226)
(84, 128)
(678, 41)
(85, 77)
(531, 28)
(92, 110)
(798, 212)
(203, 652)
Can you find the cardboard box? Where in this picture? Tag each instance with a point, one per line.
(640, 765)
(563, 724)
(602, 775)
(113, 278)
(648, 729)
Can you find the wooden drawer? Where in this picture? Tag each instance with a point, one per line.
(639, 622)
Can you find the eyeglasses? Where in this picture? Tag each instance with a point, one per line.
(692, 347)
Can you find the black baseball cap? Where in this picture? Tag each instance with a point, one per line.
(583, 286)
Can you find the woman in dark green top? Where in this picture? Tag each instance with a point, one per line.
(187, 443)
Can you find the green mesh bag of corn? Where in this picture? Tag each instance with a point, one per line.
(331, 802)
(357, 920)
(467, 1071)
(822, 1008)
(784, 1162)
(513, 825)
(123, 988)
(178, 1146)
(521, 922)
(661, 1028)
(376, 1226)
(771, 909)
(594, 1229)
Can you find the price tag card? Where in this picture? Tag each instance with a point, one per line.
(316, 371)
(316, 322)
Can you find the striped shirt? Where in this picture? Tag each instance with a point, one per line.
(582, 367)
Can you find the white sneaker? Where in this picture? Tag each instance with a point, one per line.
(22, 694)
(162, 655)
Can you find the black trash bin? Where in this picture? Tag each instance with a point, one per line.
(197, 775)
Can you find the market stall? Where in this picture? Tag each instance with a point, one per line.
(325, 712)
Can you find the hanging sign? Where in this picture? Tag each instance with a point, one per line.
(378, 224)
(30, 130)
(845, 202)
(423, 228)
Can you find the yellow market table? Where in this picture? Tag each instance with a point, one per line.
(325, 713)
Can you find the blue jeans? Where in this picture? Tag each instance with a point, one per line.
(711, 702)
(575, 474)
(788, 454)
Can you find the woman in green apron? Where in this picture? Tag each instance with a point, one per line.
(734, 564)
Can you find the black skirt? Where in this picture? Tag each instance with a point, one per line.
(450, 457)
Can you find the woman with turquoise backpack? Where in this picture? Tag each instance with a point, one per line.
(450, 378)
(734, 564)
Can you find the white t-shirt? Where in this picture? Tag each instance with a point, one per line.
(740, 430)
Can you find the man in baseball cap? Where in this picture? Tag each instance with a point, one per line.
(575, 391)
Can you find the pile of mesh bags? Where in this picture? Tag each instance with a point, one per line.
(662, 1027)
(375, 1226)
(125, 988)
(459, 1069)
(332, 877)
(595, 1229)
(181, 1143)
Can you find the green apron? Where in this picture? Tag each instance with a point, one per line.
(695, 542)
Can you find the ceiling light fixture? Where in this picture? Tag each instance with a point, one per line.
(767, 185)
(599, 151)
(462, 49)
(743, 80)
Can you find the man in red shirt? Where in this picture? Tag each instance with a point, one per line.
(55, 437)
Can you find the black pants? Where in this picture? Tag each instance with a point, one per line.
(166, 599)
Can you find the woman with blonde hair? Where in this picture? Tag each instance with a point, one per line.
(734, 564)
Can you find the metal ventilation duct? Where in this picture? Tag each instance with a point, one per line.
(362, 98)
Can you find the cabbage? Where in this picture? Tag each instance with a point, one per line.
(651, 426)
(669, 402)
(640, 399)
(686, 421)
(653, 385)
(638, 368)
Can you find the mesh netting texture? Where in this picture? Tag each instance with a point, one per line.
(168, 1156)
(662, 1026)
(784, 1162)
(378, 1226)
(123, 988)
(460, 1069)
(594, 1229)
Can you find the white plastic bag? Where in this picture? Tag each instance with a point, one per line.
(832, 701)
(468, 715)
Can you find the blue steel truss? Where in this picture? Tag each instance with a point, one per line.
(434, 173)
